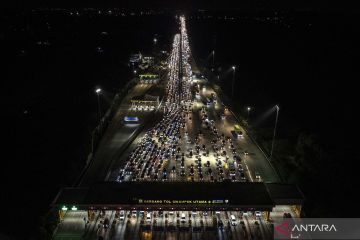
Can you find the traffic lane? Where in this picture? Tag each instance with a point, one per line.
(259, 162)
(73, 224)
(255, 159)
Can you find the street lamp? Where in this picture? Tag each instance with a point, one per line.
(213, 53)
(134, 71)
(155, 40)
(233, 81)
(248, 109)
(273, 141)
(98, 90)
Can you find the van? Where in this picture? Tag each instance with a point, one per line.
(233, 220)
(148, 217)
(183, 217)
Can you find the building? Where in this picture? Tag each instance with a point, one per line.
(145, 101)
(149, 78)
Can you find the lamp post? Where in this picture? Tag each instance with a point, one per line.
(273, 141)
(248, 109)
(233, 81)
(213, 53)
(98, 90)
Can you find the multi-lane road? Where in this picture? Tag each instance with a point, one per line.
(189, 137)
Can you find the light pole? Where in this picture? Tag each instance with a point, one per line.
(248, 109)
(213, 53)
(273, 141)
(233, 81)
(155, 40)
(98, 90)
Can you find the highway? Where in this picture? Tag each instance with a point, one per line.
(190, 137)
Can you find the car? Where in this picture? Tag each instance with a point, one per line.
(122, 215)
(106, 223)
(257, 175)
(148, 217)
(201, 177)
(242, 176)
(233, 220)
(220, 224)
(183, 220)
(134, 213)
(246, 152)
(258, 213)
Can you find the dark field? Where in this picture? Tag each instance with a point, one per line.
(50, 103)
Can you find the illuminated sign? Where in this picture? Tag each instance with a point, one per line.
(131, 119)
(181, 201)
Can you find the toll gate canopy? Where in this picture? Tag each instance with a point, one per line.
(246, 196)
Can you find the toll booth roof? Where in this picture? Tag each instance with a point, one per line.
(287, 194)
(114, 193)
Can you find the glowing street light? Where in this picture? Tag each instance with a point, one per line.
(155, 40)
(98, 91)
(233, 81)
(248, 109)
(135, 71)
(276, 120)
(213, 54)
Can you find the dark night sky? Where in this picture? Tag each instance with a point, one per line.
(244, 5)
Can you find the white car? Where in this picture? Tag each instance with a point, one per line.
(258, 213)
(233, 220)
(148, 217)
(134, 213)
(122, 215)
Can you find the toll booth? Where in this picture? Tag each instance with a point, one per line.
(181, 196)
